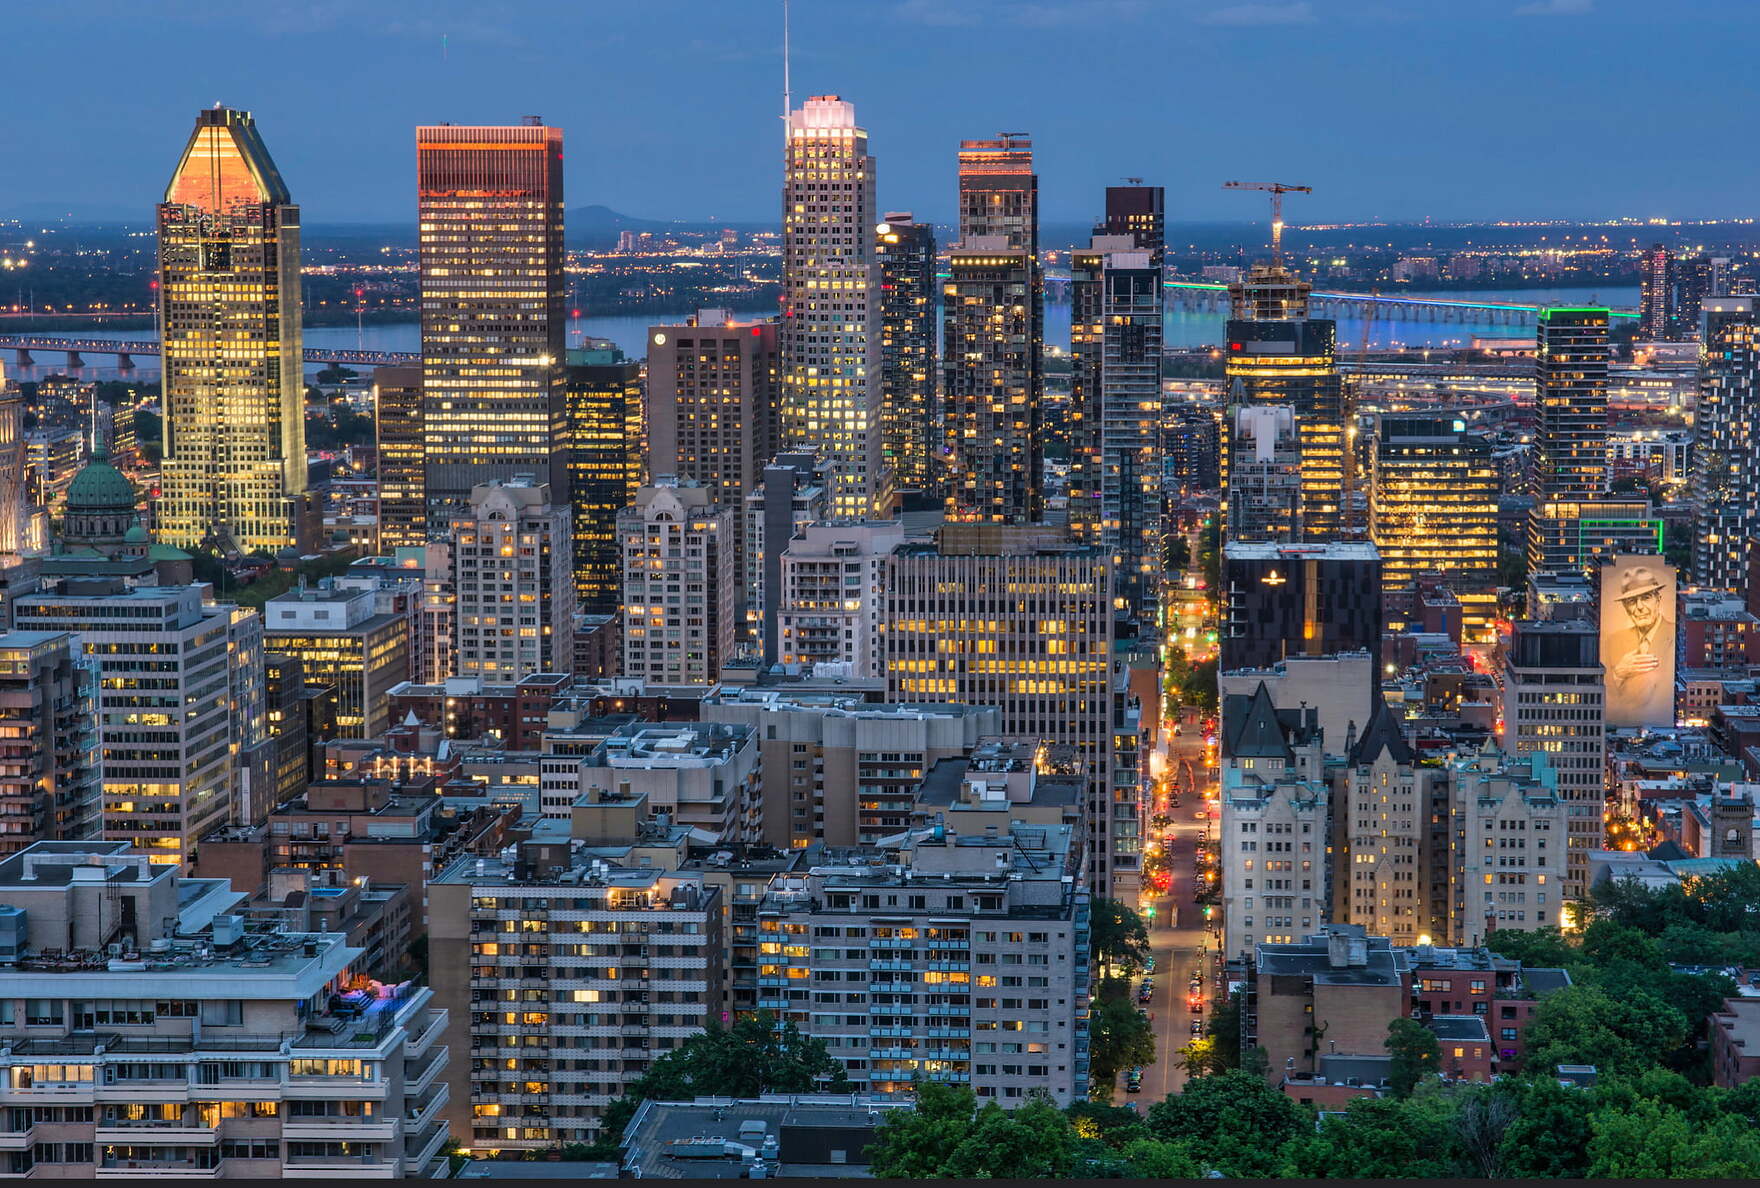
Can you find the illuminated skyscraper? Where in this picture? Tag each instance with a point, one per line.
(910, 410)
(493, 309)
(1655, 267)
(1138, 211)
(234, 467)
(397, 403)
(1726, 450)
(994, 333)
(1570, 439)
(607, 444)
(1115, 409)
(1433, 509)
(1280, 357)
(831, 390)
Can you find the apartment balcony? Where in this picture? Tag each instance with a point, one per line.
(425, 1033)
(898, 966)
(124, 1168)
(117, 1132)
(340, 1128)
(425, 1110)
(424, 1145)
(343, 1167)
(418, 1076)
(17, 1140)
(942, 1008)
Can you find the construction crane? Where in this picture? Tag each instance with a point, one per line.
(1277, 190)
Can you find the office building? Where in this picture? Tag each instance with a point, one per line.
(211, 1046)
(233, 471)
(993, 328)
(1570, 439)
(344, 643)
(1115, 411)
(285, 718)
(972, 956)
(494, 304)
(1282, 601)
(1276, 821)
(712, 407)
(1555, 700)
(14, 484)
(831, 595)
(839, 770)
(1433, 492)
(678, 584)
(791, 497)
(168, 778)
(1029, 631)
(51, 777)
(513, 578)
(830, 336)
(624, 965)
(910, 409)
(1726, 446)
(397, 404)
(1655, 266)
(1280, 358)
(1191, 441)
(607, 454)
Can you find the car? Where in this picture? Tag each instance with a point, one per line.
(1135, 1086)
(1146, 991)
(1132, 1106)
(1197, 1028)
(1149, 963)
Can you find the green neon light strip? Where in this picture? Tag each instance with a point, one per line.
(1538, 310)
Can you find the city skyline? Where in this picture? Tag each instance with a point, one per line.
(688, 96)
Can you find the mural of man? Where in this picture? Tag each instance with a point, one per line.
(1639, 653)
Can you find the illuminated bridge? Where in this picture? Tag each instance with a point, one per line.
(1211, 296)
(126, 348)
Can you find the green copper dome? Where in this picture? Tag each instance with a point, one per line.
(99, 486)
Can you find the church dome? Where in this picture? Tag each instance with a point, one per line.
(99, 486)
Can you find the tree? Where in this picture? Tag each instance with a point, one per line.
(1199, 1058)
(914, 1144)
(753, 1057)
(1651, 1140)
(1416, 1055)
(1119, 936)
(1237, 1119)
(1381, 1138)
(1483, 1115)
(1151, 1159)
(1118, 1038)
(1585, 1025)
(1549, 1135)
(1224, 1031)
(1544, 948)
(1031, 1142)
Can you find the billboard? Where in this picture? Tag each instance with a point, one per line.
(1637, 640)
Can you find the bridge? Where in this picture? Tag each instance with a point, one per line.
(1213, 297)
(126, 348)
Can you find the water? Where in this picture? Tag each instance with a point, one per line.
(1184, 328)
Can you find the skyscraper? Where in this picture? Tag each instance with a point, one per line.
(830, 338)
(994, 330)
(1115, 409)
(1655, 267)
(678, 580)
(397, 401)
(234, 467)
(1570, 439)
(513, 573)
(1280, 357)
(1140, 212)
(606, 463)
(910, 409)
(1726, 453)
(1692, 279)
(493, 309)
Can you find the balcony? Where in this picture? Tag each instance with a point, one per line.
(419, 1148)
(339, 1128)
(346, 1167)
(417, 1077)
(423, 1112)
(124, 1168)
(431, 1026)
(128, 1133)
(17, 1140)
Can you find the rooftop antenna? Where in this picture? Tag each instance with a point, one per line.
(787, 92)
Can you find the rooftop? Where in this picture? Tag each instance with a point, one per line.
(719, 1138)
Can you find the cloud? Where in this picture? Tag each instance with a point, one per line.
(1299, 13)
(1557, 8)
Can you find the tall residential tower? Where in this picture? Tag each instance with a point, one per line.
(910, 413)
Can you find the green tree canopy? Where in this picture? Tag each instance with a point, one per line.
(1118, 1038)
(1235, 1119)
(1619, 1036)
(1031, 1142)
(914, 1144)
(1119, 936)
(1651, 1140)
(752, 1057)
(1415, 1052)
(1381, 1138)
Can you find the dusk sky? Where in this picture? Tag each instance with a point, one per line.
(1395, 109)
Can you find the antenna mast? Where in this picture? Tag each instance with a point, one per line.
(787, 93)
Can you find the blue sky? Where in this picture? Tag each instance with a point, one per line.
(1398, 109)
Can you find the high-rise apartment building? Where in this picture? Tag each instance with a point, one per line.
(971, 955)
(831, 595)
(403, 509)
(791, 497)
(564, 978)
(1655, 268)
(1693, 279)
(1029, 631)
(712, 407)
(1555, 700)
(607, 451)
(513, 577)
(14, 487)
(678, 582)
(169, 777)
(1726, 446)
(343, 642)
(910, 410)
(50, 771)
(1279, 357)
(233, 473)
(1140, 212)
(267, 1058)
(1115, 410)
(494, 308)
(993, 331)
(1433, 491)
(830, 336)
(1570, 439)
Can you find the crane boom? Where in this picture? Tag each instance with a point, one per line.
(1277, 190)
